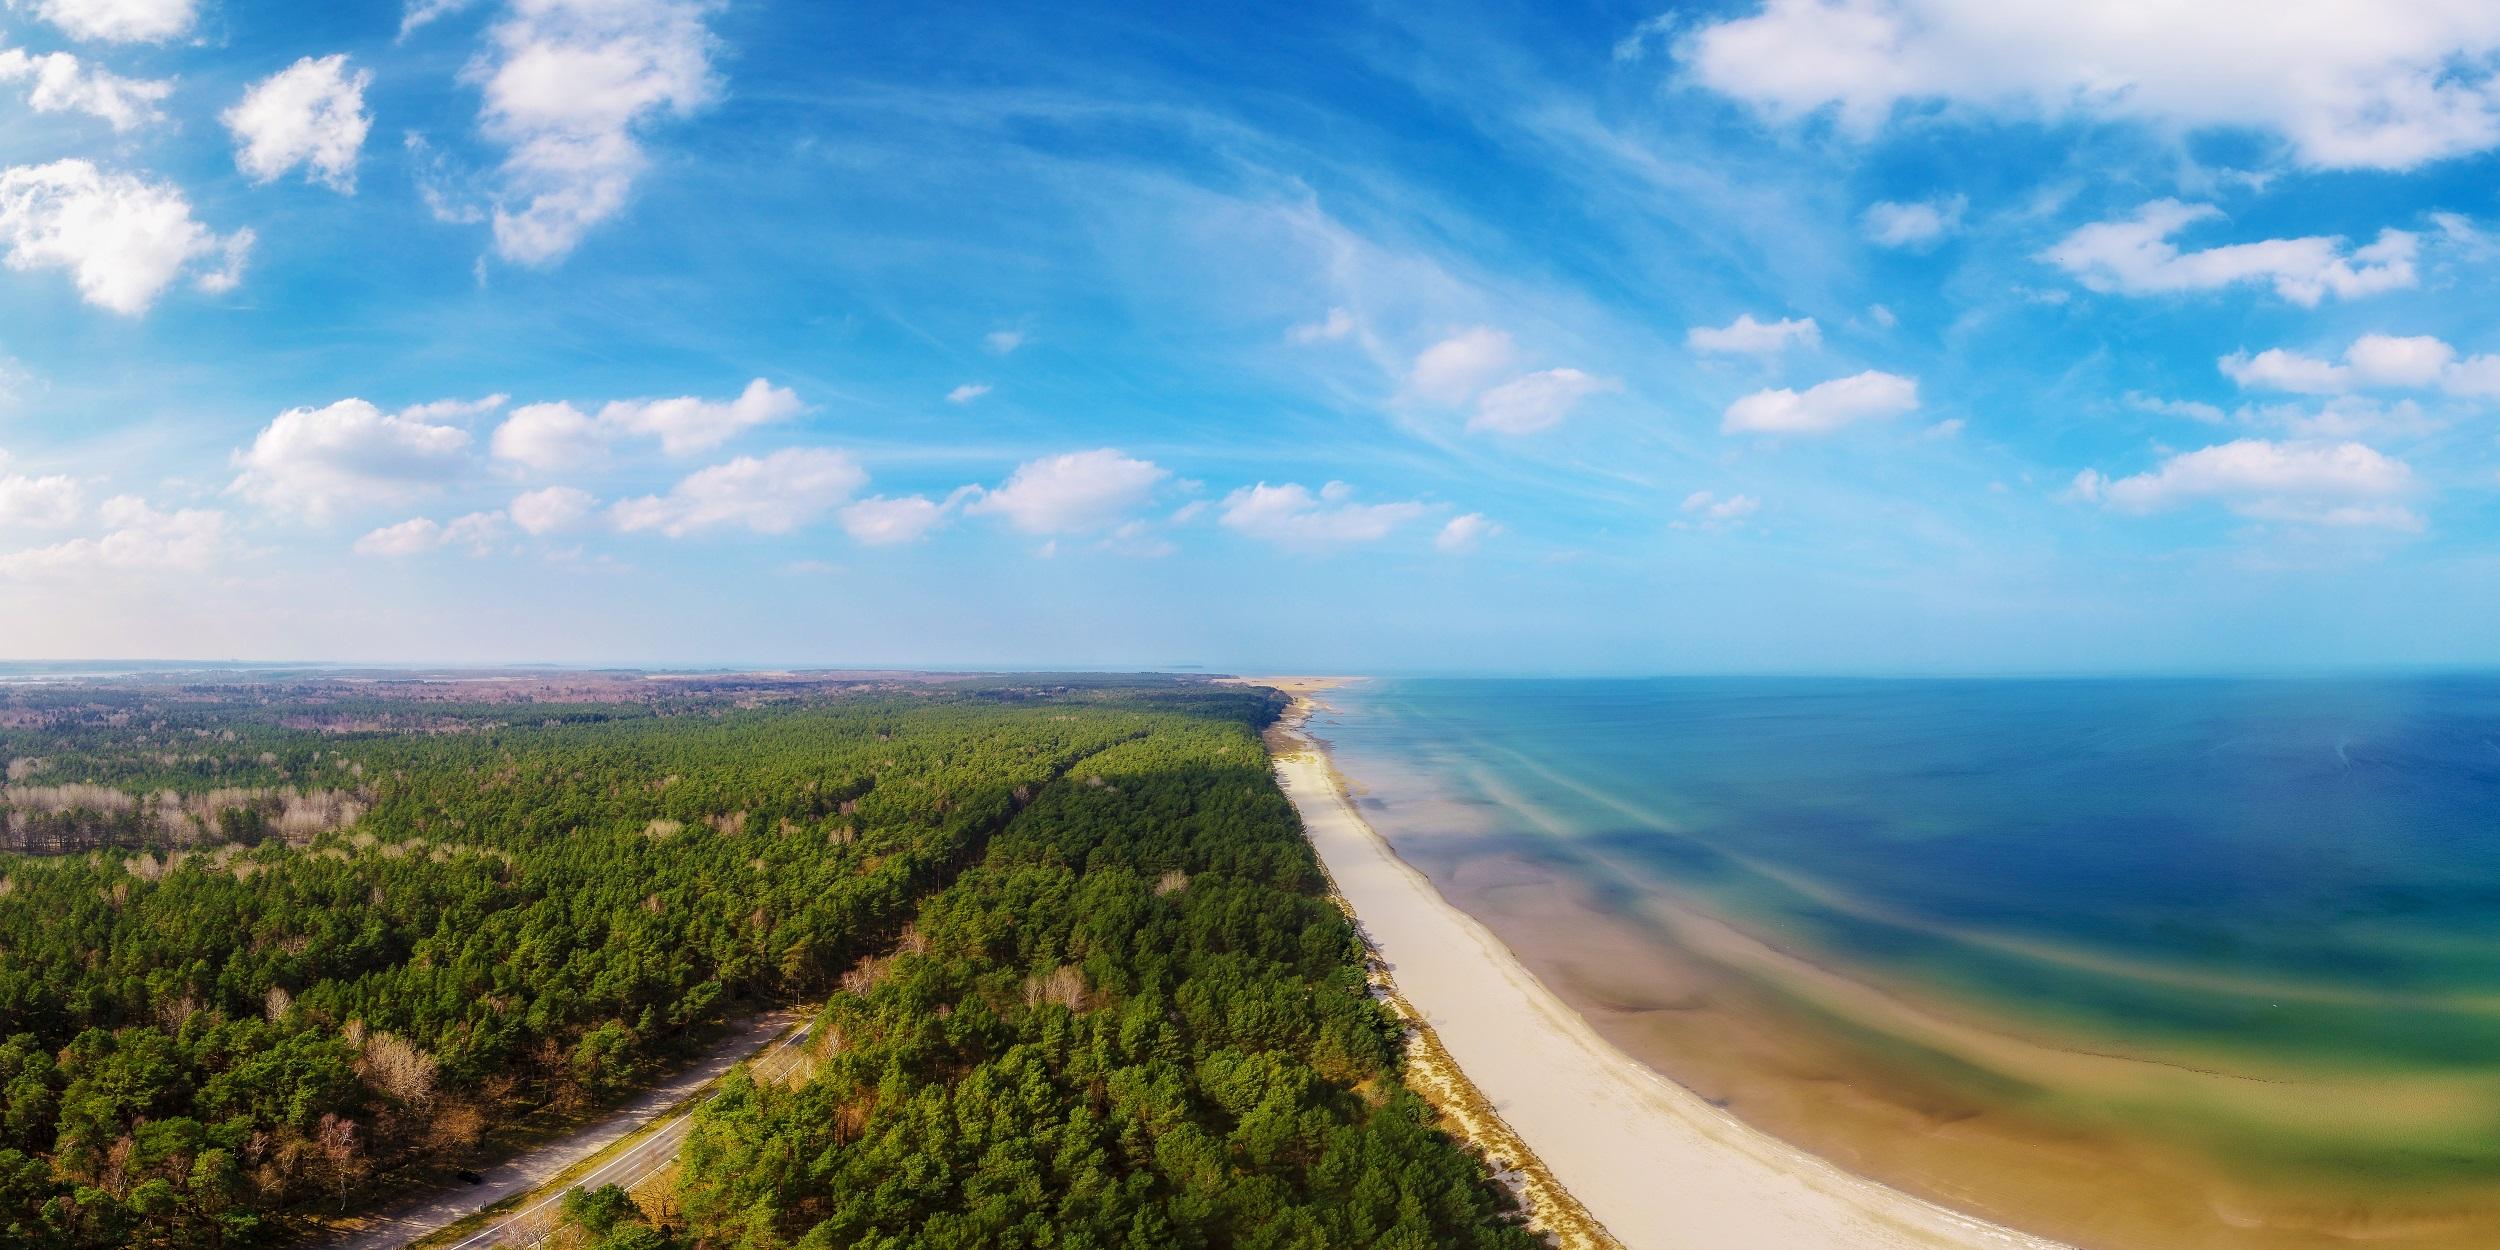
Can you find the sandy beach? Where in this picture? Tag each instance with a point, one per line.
(1661, 1168)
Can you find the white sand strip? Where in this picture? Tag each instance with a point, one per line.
(1658, 1166)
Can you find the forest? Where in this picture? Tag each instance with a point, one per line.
(1082, 986)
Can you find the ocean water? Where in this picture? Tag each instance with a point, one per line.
(2234, 943)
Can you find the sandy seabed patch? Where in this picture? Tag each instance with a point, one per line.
(1659, 1167)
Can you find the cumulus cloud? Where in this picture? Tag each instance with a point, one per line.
(120, 21)
(1450, 371)
(478, 531)
(1822, 408)
(2342, 85)
(310, 114)
(1535, 401)
(408, 538)
(2134, 256)
(1917, 224)
(687, 425)
(2372, 361)
(1708, 511)
(2333, 484)
(771, 495)
(967, 392)
(2389, 360)
(48, 502)
(1079, 492)
(1465, 533)
(1291, 515)
(2278, 370)
(316, 461)
(1003, 342)
(884, 522)
(122, 238)
(136, 537)
(551, 511)
(550, 437)
(571, 87)
(62, 83)
(1746, 336)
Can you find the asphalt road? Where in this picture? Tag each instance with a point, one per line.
(769, 1040)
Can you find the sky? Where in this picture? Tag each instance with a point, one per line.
(1804, 336)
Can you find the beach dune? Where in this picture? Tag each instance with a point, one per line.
(1658, 1166)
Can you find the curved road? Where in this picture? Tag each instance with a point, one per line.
(769, 1040)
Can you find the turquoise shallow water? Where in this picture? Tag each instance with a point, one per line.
(2280, 878)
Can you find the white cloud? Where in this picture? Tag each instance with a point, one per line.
(349, 454)
(548, 437)
(478, 531)
(687, 425)
(424, 12)
(408, 538)
(2337, 484)
(2344, 84)
(570, 88)
(2476, 377)
(1748, 337)
(555, 436)
(1290, 515)
(48, 502)
(2387, 360)
(1707, 511)
(64, 84)
(2275, 369)
(1003, 342)
(1339, 324)
(772, 495)
(550, 511)
(2193, 410)
(2409, 362)
(1535, 401)
(122, 238)
(2134, 256)
(1073, 493)
(137, 537)
(120, 21)
(1465, 533)
(441, 410)
(1450, 371)
(1916, 224)
(312, 114)
(2343, 417)
(883, 522)
(967, 392)
(1822, 408)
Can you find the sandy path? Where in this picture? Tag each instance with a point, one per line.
(440, 1210)
(1659, 1167)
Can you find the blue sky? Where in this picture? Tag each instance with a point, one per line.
(1877, 335)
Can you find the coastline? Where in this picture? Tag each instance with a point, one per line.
(1646, 1163)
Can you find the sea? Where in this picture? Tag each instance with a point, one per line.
(2165, 963)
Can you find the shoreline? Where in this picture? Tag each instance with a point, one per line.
(1650, 1163)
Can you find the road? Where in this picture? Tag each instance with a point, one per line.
(769, 1040)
